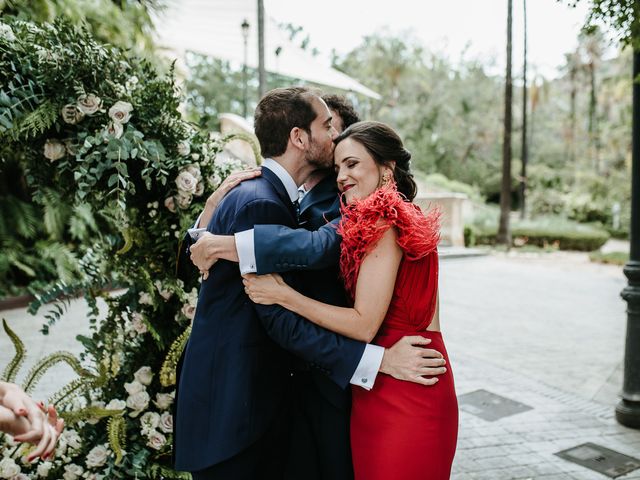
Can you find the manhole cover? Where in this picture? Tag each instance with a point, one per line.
(489, 406)
(602, 460)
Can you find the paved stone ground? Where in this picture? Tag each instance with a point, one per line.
(546, 330)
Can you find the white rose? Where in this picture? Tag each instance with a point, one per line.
(72, 472)
(20, 476)
(97, 456)
(199, 189)
(166, 422)
(149, 422)
(156, 440)
(145, 299)
(71, 114)
(116, 404)
(131, 83)
(89, 104)
(214, 180)
(189, 311)
(186, 182)
(184, 148)
(184, 200)
(114, 129)
(7, 33)
(144, 375)
(163, 400)
(138, 402)
(164, 293)
(194, 170)
(9, 468)
(72, 438)
(138, 324)
(134, 387)
(170, 203)
(43, 469)
(54, 150)
(120, 112)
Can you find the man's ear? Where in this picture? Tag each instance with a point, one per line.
(299, 138)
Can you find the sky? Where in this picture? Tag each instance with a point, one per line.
(450, 27)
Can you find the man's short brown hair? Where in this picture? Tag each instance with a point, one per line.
(344, 108)
(277, 113)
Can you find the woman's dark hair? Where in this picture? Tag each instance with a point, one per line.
(277, 113)
(385, 146)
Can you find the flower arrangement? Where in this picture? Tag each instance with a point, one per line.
(102, 132)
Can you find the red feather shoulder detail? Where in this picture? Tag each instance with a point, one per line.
(365, 221)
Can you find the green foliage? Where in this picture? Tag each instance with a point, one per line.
(545, 232)
(612, 258)
(11, 370)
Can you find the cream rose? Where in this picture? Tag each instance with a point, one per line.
(184, 200)
(144, 375)
(72, 472)
(114, 129)
(72, 439)
(116, 404)
(214, 180)
(89, 104)
(43, 469)
(166, 422)
(186, 182)
(120, 112)
(54, 150)
(8, 468)
(170, 203)
(97, 456)
(71, 114)
(156, 440)
(164, 292)
(184, 149)
(149, 422)
(138, 402)
(189, 311)
(163, 400)
(134, 387)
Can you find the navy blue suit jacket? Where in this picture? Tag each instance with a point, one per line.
(236, 369)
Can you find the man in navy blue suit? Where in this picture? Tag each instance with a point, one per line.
(234, 398)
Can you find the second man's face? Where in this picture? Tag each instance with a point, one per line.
(320, 151)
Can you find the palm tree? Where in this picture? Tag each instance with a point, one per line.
(504, 230)
(525, 98)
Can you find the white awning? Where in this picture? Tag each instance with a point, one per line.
(212, 27)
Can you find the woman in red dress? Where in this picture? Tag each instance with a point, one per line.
(389, 263)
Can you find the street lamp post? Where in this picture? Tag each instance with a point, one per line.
(245, 37)
(628, 410)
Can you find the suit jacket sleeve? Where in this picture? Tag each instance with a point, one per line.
(333, 354)
(280, 249)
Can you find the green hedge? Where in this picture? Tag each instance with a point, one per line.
(573, 237)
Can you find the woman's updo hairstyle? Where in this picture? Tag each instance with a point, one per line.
(385, 146)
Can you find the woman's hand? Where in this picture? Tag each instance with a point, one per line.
(265, 289)
(28, 421)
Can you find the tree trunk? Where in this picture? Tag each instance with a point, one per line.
(525, 100)
(504, 230)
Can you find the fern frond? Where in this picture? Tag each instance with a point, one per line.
(117, 436)
(168, 370)
(49, 361)
(75, 416)
(36, 122)
(11, 370)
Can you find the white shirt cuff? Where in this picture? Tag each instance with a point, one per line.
(246, 253)
(367, 371)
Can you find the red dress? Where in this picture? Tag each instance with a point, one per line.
(400, 430)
